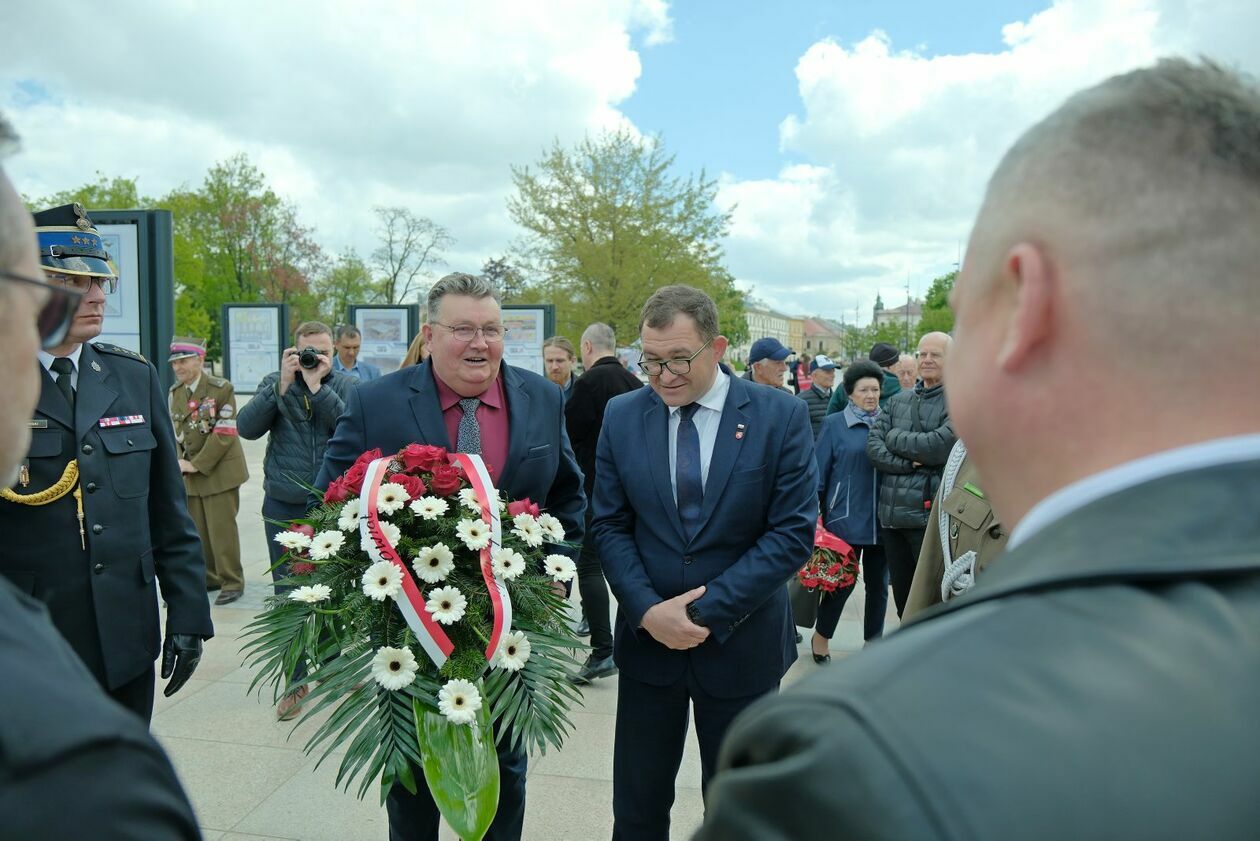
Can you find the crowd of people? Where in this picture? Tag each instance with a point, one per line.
(1075, 558)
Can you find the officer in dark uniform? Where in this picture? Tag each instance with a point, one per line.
(98, 515)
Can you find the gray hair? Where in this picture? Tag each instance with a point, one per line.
(669, 302)
(1147, 186)
(345, 331)
(601, 337)
(461, 283)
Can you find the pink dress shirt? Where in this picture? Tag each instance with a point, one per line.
(492, 417)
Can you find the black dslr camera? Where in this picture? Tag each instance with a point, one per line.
(309, 358)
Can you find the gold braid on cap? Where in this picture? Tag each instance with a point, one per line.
(69, 479)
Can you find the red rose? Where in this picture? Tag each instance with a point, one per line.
(302, 528)
(367, 458)
(337, 492)
(301, 568)
(415, 487)
(446, 480)
(523, 506)
(416, 457)
(353, 479)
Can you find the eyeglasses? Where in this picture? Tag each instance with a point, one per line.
(58, 311)
(677, 367)
(492, 333)
(83, 283)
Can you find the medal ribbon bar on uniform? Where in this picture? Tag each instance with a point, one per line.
(129, 420)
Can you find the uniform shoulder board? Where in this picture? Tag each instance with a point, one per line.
(104, 347)
(215, 382)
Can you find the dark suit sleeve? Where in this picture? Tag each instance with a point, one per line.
(177, 557)
(613, 527)
(116, 790)
(790, 767)
(788, 539)
(930, 448)
(256, 417)
(346, 443)
(566, 500)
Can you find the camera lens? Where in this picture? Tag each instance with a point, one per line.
(309, 358)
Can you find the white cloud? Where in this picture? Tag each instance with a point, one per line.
(899, 143)
(342, 104)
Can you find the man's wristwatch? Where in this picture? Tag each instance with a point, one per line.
(693, 613)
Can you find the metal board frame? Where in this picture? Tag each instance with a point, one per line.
(244, 357)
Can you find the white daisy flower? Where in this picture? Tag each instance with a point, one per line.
(391, 532)
(560, 567)
(293, 540)
(506, 563)
(513, 651)
(391, 497)
(382, 580)
(434, 563)
(551, 527)
(459, 701)
(326, 544)
(474, 533)
(312, 594)
(527, 529)
(468, 499)
(429, 507)
(348, 520)
(394, 668)
(447, 604)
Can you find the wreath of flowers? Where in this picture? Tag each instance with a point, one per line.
(398, 703)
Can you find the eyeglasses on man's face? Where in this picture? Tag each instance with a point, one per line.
(492, 333)
(83, 283)
(677, 367)
(57, 312)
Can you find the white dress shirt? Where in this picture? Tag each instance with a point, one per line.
(1089, 490)
(46, 359)
(706, 419)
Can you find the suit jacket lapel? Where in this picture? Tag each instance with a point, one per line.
(656, 434)
(518, 421)
(51, 403)
(426, 408)
(95, 394)
(725, 450)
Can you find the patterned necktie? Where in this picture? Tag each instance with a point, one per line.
(63, 367)
(469, 430)
(687, 480)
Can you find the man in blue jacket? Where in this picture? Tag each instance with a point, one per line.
(705, 501)
(464, 398)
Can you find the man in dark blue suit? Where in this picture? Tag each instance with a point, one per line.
(463, 398)
(705, 503)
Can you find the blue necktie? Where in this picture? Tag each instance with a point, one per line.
(690, 488)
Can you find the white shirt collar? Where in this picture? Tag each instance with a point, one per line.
(1086, 491)
(46, 358)
(715, 397)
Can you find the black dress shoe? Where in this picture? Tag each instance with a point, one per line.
(229, 596)
(583, 628)
(821, 658)
(210, 588)
(603, 667)
(799, 639)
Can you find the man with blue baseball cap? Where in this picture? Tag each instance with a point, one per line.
(766, 363)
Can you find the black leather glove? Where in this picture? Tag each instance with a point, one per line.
(180, 655)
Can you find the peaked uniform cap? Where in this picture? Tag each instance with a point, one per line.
(69, 243)
(183, 347)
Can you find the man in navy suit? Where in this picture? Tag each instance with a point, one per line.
(705, 503)
(463, 398)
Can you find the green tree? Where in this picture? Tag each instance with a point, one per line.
(937, 316)
(608, 224)
(859, 340)
(105, 193)
(347, 280)
(507, 277)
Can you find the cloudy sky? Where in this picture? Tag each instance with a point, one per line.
(853, 138)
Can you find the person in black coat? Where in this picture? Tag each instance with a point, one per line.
(604, 379)
(72, 763)
(98, 515)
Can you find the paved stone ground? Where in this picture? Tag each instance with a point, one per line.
(248, 777)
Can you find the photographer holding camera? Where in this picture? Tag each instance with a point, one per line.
(299, 406)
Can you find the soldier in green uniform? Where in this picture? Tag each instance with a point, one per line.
(203, 409)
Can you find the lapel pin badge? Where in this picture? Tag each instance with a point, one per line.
(95, 366)
(739, 431)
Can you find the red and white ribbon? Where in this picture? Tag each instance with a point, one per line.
(410, 601)
(475, 470)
